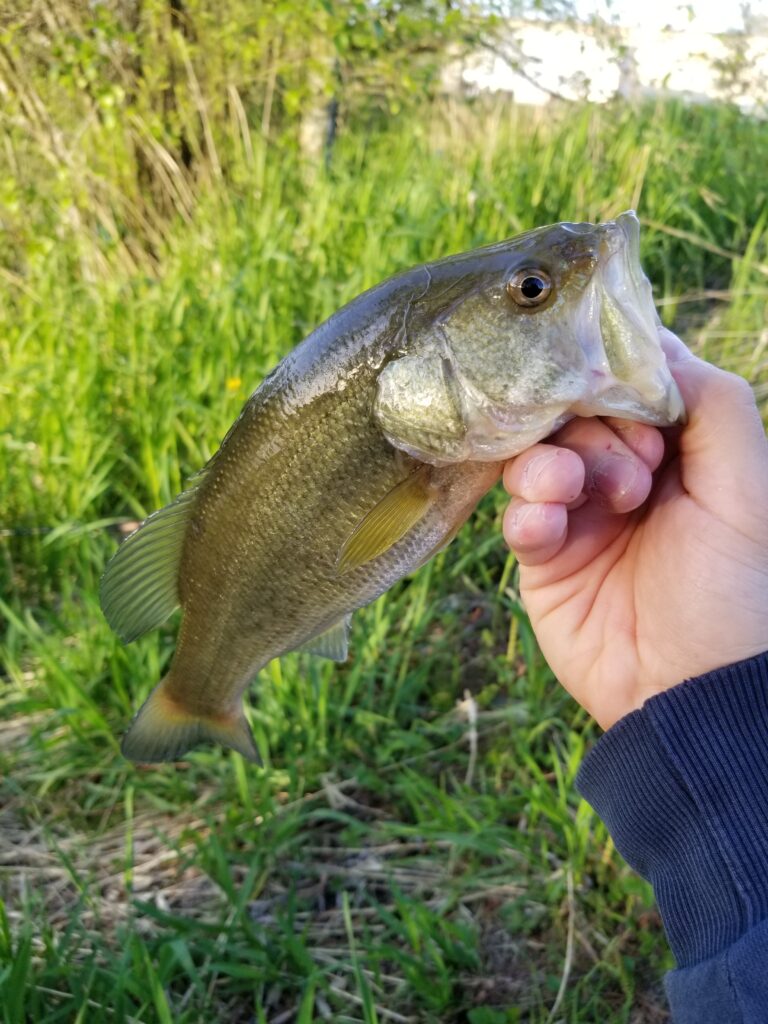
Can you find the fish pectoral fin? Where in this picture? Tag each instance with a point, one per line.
(333, 643)
(388, 521)
(139, 588)
(163, 730)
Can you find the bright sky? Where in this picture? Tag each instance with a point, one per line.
(705, 15)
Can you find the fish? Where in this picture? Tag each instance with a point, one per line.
(363, 452)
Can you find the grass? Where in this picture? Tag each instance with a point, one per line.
(413, 849)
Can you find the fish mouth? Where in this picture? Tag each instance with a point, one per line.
(618, 329)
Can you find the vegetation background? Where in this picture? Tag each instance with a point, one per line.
(186, 189)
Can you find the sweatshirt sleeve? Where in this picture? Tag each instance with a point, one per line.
(682, 785)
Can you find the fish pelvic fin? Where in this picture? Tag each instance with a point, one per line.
(163, 730)
(333, 643)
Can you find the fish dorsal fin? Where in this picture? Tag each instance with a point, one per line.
(388, 521)
(333, 643)
(139, 588)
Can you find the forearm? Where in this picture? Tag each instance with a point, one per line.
(682, 784)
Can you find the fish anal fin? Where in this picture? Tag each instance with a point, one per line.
(333, 643)
(163, 730)
(139, 588)
(388, 521)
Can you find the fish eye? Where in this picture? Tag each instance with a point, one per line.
(529, 287)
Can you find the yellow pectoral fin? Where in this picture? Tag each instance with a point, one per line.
(388, 522)
(163, 730)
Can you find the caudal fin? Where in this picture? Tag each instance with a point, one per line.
(163, 730)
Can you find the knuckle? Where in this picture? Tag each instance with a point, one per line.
(737, 386)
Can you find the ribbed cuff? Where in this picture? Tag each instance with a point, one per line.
(729, 989)
(682, 785)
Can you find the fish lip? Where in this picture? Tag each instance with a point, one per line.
(620, 255)
(622, 266)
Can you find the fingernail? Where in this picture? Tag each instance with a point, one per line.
(624, 429)
(522, 514)
(536, 467)
(613, 476)
(675, 350)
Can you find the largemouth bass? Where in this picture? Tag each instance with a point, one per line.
(364, 451)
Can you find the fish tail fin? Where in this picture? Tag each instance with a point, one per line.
(163, 730)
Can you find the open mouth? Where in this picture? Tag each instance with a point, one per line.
(638, 384)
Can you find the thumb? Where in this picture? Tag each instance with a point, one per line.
(723, 448)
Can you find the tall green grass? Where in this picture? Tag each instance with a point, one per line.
(373, 870)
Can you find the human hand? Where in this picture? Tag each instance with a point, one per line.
(644, 555)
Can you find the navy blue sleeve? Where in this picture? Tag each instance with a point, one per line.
(682, 785)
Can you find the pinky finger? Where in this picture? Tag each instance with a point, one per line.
(535, 531)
